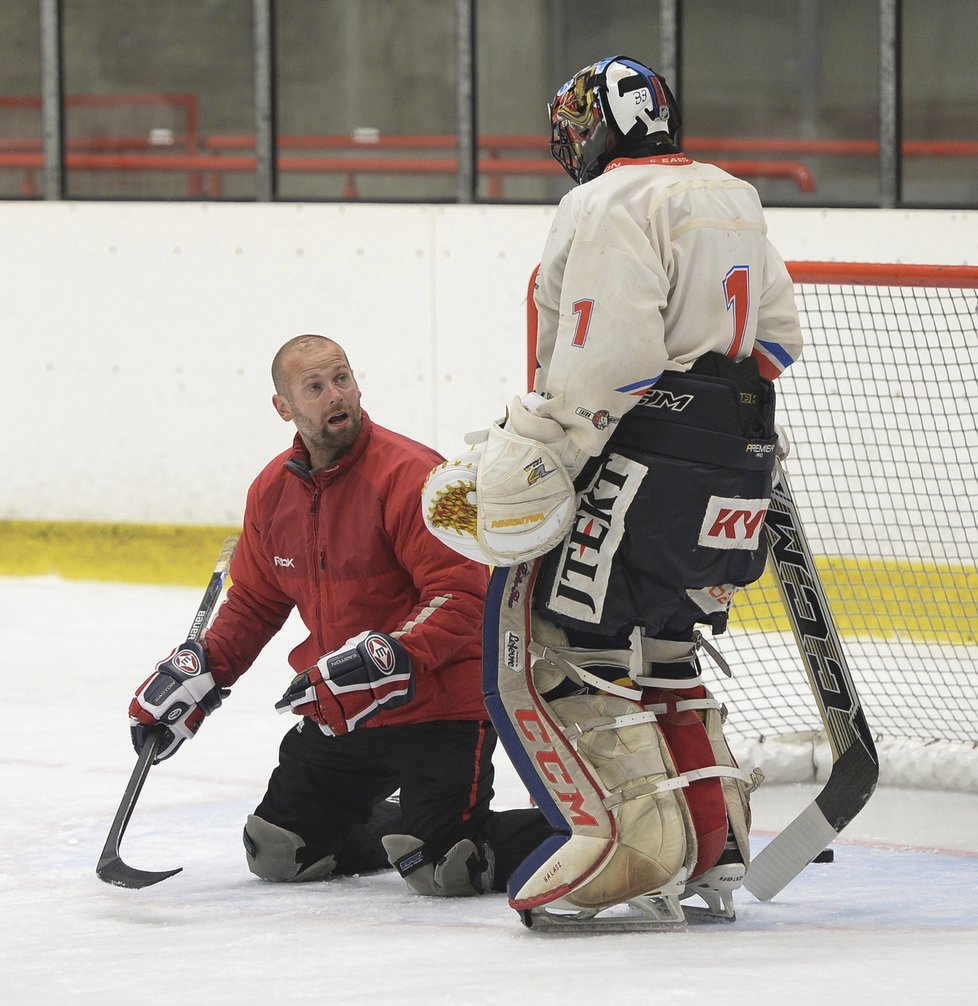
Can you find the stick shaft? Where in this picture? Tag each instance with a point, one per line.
(855, 766)
(110, 866)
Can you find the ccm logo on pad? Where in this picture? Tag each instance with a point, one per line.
(733, 523)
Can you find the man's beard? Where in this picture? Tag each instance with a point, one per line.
(338, 442)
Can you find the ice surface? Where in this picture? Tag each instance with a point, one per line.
(893, 920)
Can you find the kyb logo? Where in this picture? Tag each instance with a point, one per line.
(279, 561)
(733, 523)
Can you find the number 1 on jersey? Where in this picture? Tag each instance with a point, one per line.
(583, 309)
(736, 288)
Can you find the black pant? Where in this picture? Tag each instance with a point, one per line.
(674, 505)
(331, 791)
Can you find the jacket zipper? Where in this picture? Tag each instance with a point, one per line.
(314, 514)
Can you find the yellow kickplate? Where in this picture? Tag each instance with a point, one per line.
(127, 553)
(877, 597)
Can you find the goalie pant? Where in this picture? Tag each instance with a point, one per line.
(616, 775)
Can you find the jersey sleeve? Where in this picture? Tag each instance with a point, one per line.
(779, 338)
(600, 296)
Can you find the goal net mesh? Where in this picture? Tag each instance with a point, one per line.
(881, 415)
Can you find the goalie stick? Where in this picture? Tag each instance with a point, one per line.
(855, 764)
(110, 866)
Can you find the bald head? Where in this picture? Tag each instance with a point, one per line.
(315, 389)
(298, 347)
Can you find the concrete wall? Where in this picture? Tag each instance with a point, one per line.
(136, 338)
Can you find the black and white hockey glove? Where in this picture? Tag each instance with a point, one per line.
(369, 673)
(178, 695)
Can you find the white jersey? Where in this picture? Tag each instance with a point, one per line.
(648, 267)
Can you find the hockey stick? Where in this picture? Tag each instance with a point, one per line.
(110, 866)
(855, 765)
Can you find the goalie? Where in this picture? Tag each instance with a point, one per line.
(623, 501)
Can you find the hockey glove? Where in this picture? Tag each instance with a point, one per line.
(508, 500)
(178, 695)
(369, 673)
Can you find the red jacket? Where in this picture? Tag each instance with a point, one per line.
(347, 546)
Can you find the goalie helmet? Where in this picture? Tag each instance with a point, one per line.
(616, 107)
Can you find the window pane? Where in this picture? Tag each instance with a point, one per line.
(525, 51)
(940, 102)
(146, 86)
(791, 84)
(20, 101)
(366, 96)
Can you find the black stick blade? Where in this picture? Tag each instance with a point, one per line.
(112, 870)
(110, 866)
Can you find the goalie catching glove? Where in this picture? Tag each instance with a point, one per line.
(369, 673)
(511, 498)
(177, 696)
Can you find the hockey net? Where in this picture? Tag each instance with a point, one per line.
(881, 413)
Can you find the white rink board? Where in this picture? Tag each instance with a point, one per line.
(137, 337)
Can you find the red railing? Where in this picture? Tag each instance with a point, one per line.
(215, 166)
(207, 161)
(176, 109)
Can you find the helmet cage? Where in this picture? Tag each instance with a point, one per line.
(605, 109)
(577, 150)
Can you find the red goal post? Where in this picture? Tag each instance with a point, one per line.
(882, 413)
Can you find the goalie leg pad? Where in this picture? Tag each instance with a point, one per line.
(692, 721)
(588, 786)
(736, 790)
(718, 794)
(631, 760)
(272, 853)
(562, 786)
(717, 884)
(690, 746)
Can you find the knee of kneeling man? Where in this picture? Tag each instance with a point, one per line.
(275, 854)
(462, 872)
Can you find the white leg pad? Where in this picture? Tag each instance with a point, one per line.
(736, 792)
(631, 762)
(598, 783)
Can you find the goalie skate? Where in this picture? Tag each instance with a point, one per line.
(656, 912)
(716, 887)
